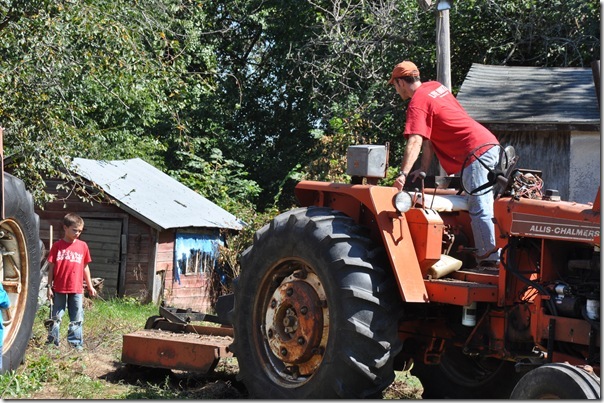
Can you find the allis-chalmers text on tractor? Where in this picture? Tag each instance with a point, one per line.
(362, 280)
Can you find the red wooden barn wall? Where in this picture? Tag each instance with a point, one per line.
(191, 292)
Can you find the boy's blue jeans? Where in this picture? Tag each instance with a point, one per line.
(73, 303)
(481, 207)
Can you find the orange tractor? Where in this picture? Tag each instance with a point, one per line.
(363, 280)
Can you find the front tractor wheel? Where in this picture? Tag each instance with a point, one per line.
(315, 313)
(557, 381)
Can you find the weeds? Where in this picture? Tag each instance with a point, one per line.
(62, 372)
(13, 384)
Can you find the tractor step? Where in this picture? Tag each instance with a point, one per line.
(463, 288)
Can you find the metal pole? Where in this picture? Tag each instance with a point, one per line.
(443, 44)
(443, 50)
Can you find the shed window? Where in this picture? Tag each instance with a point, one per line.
(195, 252)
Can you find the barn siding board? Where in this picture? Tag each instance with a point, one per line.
(581, 182)
(554, 164)
(103, 239)
(137, 258)
(139, 240)
(137, 248)
(187, 293)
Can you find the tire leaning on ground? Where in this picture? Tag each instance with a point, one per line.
(316, 310)
(20, 247)
(557, 381)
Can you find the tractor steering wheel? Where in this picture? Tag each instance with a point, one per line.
(497, 178)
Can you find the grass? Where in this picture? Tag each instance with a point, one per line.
(98, 373)
(62, 372)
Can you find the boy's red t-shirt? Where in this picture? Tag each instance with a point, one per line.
(69, 259)
(435, 114)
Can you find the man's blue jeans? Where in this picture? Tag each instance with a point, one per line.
(73, 303)
(481, 207)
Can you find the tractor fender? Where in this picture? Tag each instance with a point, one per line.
(372, 206)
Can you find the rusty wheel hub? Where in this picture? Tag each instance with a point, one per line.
(296, 323)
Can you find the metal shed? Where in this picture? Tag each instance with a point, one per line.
(550, 115)
(155, 239)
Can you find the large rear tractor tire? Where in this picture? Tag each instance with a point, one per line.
(20, 249)
(316, 310)
(557, 381)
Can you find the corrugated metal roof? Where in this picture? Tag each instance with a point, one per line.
(513, 94)
(154, 197)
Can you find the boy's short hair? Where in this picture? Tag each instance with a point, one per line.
(72, 219)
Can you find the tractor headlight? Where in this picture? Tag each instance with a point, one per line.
(402, 201)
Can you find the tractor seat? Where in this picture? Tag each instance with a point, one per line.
(441, 203)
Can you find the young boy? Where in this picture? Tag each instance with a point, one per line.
(68, 268)
(4, 304)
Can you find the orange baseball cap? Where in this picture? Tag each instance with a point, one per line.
(404, 69)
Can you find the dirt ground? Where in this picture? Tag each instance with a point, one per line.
(104, 365)
(116, 376)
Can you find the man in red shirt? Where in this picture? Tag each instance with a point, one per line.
(68, 268)
(437, 124)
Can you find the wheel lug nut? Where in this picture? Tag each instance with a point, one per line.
(283, 351)
(290, 292)
(273, 303)
(304, 310)
(301, 340)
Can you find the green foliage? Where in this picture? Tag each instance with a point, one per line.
(81, 387)
(152, 391)
(239, 99)
(524, 33)
(219, 179)
(15, 385)
(89, 79)
(405, 386)
(237, 242)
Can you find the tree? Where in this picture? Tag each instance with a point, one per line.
(100, 79)
(242, 98)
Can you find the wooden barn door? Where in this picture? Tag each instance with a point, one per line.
(104, 241)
